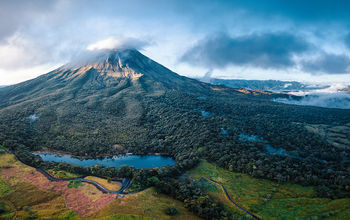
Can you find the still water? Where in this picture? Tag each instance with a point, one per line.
(137, 161)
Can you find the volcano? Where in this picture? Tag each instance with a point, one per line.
(102, 74)
(119, 101)
(95, 102)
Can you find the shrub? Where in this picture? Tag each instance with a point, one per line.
(171, 211)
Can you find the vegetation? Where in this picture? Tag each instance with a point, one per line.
(172, 124)
(104, 182)
(61, 174)
(305, 160)
(126, 217)
(47, 204)
(189, 136)
(4, 187)
(269, 199)
(150, 204)
(171, 211)
(6, 211)
(74, 183)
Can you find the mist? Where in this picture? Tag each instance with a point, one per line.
(339, 100)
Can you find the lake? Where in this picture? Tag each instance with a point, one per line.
(137, 161)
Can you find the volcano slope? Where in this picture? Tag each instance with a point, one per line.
(121, 101)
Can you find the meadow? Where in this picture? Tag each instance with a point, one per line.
(268, 199)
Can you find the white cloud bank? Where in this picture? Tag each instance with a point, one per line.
(326, 100)
(113, 43)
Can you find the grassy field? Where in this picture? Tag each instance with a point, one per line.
(4, 187)
(104, 182)
(27, 199)
(335, 135)
(149, 204)
(32, 195)
(61, 174)
(271, 200)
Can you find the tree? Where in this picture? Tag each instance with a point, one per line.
(126, 171)
(152, 181)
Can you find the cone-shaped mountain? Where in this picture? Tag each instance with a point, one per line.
(121, 101)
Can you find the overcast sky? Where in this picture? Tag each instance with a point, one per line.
(262, 39)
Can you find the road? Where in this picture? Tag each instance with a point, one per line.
(235, 203)
(125, 182)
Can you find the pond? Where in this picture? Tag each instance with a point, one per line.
(137, 161)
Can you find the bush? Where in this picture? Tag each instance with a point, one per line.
(171, 211)
(2, 208)
(74, 183)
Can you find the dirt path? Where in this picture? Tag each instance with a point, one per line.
(229, 198)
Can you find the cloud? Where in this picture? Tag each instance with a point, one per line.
(326, 100)
(300, 10)
(18, 52)
(269, 50)
(16, 14)
(347, 40)
(56, 30)
(328, 64)
(118, 43)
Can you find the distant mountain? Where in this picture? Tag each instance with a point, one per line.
(266, 85)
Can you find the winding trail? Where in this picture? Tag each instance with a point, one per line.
(233, 202)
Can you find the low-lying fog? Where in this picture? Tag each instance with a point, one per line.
(334, 96)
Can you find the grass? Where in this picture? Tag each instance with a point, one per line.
(26, 194)
(126, 217)
(4, 187)
(42, 204)
(149, 204)
(61, 174)
(104, 182)
(74, 183)
(28, 199)
(7, 160)
(271, 200)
